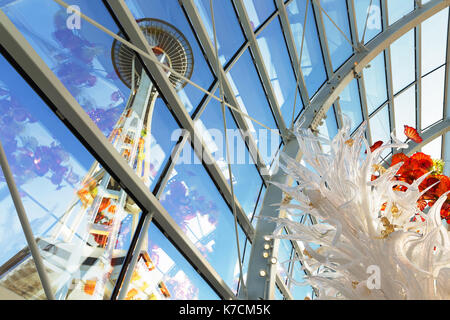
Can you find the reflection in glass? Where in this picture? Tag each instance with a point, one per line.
(82, 220)
(276, 59)
(340, 48)
(312, 63)
(351, 104)
(370, 11)
(258, 11)
(80, 58)
(433, 97)
(403, 61)
(194, 202)
(98, 71)
(228, 31)
(375, 83)
(249, 92)
(162, 273)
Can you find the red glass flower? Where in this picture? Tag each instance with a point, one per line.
(412, 134)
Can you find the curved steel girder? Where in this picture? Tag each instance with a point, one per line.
(262, 287)
(328, 94)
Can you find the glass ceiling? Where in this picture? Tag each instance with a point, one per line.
(274, 58)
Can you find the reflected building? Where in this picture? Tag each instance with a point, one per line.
(85, 250)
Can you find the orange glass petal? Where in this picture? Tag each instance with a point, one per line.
(423, 160)
(376, 145)
(412, 134)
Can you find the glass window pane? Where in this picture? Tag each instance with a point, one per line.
(351, 104)
(329, 127)
(368, 19)
(171, 12)
(380, 128)
(246, 179)
(251, 97)
(434, 148)
(196, 205)
(258, 208)
(82, 60)
(312, 62)
(397, 9)
(276, 59)
(434, 44)
(405, 111)
(433, 97)
(284, 254)
(375, 83)
(77, 212)
(162, 273)
(299, 292)
(258, 11)
(278, 294)
(229, 33)
(339, 46)
(403, 61)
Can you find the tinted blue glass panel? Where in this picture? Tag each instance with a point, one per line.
(403, 61)
(434, 44)
(180, 278)
(405, 111)
(312, 63)
(246, 179)
(351, 104)
(380, 128)
(368, 19)
(258, 11)
(171, 12)
(397, 9)
(196, 205)
(338, 44)
(228, 31)
(276, 58)
(250, 95)
(51, 168)
(81, 59)
(375, 83)
(433, 97)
